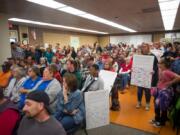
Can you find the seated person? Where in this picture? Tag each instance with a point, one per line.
(5, 75)
(70, 109)
(50, 85)
(71, 66)
(29, 84)
(37, 119)
(9, 115)
(12, 91)
(56, 62)
(42, 65)
(108, 66)
(56, 73)
(125, 74)
(93, 82)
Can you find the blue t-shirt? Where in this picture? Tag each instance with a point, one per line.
(28, 84)
(43, 85)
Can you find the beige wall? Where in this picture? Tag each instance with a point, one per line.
(5, 50)
(64, 38)
(39, 36)
(104, 41)
(158, 36)
(23, 29)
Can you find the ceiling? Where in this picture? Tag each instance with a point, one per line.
(140, 15)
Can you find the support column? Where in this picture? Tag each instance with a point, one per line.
(5, 49)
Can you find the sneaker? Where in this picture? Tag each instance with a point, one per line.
(152, 121)
(157, 124)
(122, 92)
(147, 107)
(138, 105)
(117, 108)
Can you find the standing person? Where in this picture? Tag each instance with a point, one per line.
(42, 65)
(170, 52)
(163, 96)
(49, 54)
(145, 50)
(115, 105)
(37, 54)
(73, 53)
(9, 115)
(37, 119)
(157, 51)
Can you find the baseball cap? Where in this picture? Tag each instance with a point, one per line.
(41, 97)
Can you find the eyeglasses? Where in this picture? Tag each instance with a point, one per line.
(29, 70)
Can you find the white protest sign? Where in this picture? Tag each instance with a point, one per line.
(97, 108)
(108, 78)
(142, 70)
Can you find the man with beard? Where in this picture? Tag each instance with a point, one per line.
(37, 119)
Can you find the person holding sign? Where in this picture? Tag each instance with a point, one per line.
(145, 50)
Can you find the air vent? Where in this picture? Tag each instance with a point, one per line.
(150, 10)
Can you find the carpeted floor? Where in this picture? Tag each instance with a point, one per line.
(114, 129)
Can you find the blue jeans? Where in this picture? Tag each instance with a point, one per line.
(147, 94)
(67, 122)
(124, 80)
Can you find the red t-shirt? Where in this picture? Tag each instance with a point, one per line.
(125, 67)
(58, 77)
(164, 78)
(8, 120)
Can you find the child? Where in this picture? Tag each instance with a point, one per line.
(164, 92)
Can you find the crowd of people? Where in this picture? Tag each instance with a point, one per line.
(48, 85)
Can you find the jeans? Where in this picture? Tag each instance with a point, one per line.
(147, 94)
(124, 80)
(67, 122)
(160, 116)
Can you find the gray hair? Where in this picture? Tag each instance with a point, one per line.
(20, 72)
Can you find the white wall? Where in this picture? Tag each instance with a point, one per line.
(172, 35)
(131, 39)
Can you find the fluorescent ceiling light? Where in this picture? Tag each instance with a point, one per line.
(168, 12)
(48, 3)
(72, 10)
(54, 25)
(77, 12)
